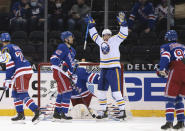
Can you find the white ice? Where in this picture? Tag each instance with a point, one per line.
(133, 124)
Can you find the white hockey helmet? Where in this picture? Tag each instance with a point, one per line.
(106, 32)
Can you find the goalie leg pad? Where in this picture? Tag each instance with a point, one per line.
(119, 100)
(102, 98)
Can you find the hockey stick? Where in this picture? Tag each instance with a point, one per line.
(74, 86)
(2, 93)
(86, 34)
(87, 29)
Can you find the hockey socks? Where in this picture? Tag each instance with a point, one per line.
(18, 105)
(30, 104)
(170, 111)
(179, 107)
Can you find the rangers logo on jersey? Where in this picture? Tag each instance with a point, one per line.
(105, 48)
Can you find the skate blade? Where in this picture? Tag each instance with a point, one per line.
(170, 129)
(19, 122)
(57, 120)
(181, 129)
(102, 120)
(40, 118)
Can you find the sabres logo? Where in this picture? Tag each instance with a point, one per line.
(105, 48)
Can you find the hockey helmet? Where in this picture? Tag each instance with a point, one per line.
(171, 35)
(65, 35)
(5, 37)
(106, 32)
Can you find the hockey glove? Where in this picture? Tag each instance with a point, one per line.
(121, 19)
(90, 21)
(7, 84)
(162, 73)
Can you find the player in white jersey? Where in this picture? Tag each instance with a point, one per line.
(110, 64)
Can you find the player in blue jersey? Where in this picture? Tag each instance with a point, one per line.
(18, 74)
(63, 62)
(82, 91)
(172, 60)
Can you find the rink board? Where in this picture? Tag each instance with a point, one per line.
(143, 89)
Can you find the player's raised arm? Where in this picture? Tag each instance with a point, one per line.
(123, 33)
(92, 30)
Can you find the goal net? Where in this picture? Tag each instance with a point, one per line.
(47, 92)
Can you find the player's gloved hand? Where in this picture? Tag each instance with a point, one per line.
(121, 19)
(162, 73)
(7, 84)
(90, 21)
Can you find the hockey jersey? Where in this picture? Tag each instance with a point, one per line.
(61, 55)
(16, 64)
(169, 53)
(84, 78)
(109, 51)
(143, 14)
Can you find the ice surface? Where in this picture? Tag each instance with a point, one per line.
(133, 124)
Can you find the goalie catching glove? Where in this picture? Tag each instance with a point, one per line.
(90, 21)
(121, 19)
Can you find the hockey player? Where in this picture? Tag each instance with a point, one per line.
(18, 74)
(172, 60)
(82, 91)
(109, 64)
(62, 64)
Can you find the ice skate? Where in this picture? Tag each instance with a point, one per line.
(179, 125)
(167, 126)
(19, 118)
(36, 118)
(121, 115)
(102, 115)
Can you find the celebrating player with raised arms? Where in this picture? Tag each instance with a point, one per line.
(110, 64)
(62, 64)
(172, 60)
(18, 74)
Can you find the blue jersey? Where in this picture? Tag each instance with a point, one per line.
(16, 64)
(61, 55)
(170, 52)
(143, 14)
(84, 78)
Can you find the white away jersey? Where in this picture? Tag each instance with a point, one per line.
(109, 51)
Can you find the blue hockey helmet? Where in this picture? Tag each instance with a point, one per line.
(65, 35)
(5, 37)
(171, 35)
